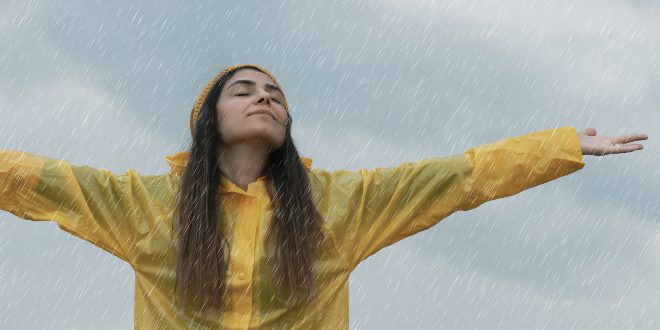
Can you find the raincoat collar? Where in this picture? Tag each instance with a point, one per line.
(179, 160)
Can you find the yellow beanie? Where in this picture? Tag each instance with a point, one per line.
(194, 114)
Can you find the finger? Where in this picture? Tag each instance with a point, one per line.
(629, 138)
(623, 148)
(589, 131)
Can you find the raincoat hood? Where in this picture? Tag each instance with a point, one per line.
(179, 161)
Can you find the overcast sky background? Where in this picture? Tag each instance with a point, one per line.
(370, 84)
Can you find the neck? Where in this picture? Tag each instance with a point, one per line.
(242, 163)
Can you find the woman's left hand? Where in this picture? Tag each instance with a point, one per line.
(605, 145)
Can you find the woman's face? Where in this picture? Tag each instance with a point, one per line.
(243, 96)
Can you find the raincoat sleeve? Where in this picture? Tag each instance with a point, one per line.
(372, 209)
(92, 204)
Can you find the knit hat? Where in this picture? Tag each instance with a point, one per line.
(194, 114)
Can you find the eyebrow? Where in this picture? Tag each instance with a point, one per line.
(270, 87)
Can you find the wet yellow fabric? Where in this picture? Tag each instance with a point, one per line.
(130, 216)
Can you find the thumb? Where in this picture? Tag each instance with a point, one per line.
(589, 131)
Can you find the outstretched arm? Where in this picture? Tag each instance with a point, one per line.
(370, 209)
(96, 205)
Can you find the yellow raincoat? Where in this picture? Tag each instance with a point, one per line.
(130, 216)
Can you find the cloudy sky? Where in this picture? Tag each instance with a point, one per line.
(370, 84)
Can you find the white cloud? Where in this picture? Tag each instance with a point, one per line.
(75, 120)
(599, 44)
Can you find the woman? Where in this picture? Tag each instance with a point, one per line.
(242, 232)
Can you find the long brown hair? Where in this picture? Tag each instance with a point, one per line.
(203, 249)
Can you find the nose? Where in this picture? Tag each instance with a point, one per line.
(264, 97)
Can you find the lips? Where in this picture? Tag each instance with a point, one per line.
(266, 112)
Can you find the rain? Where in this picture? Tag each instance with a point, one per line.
(370, 84)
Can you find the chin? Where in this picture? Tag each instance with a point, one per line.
(261, 135)
(274, 142)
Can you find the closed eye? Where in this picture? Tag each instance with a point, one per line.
(243, 94)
